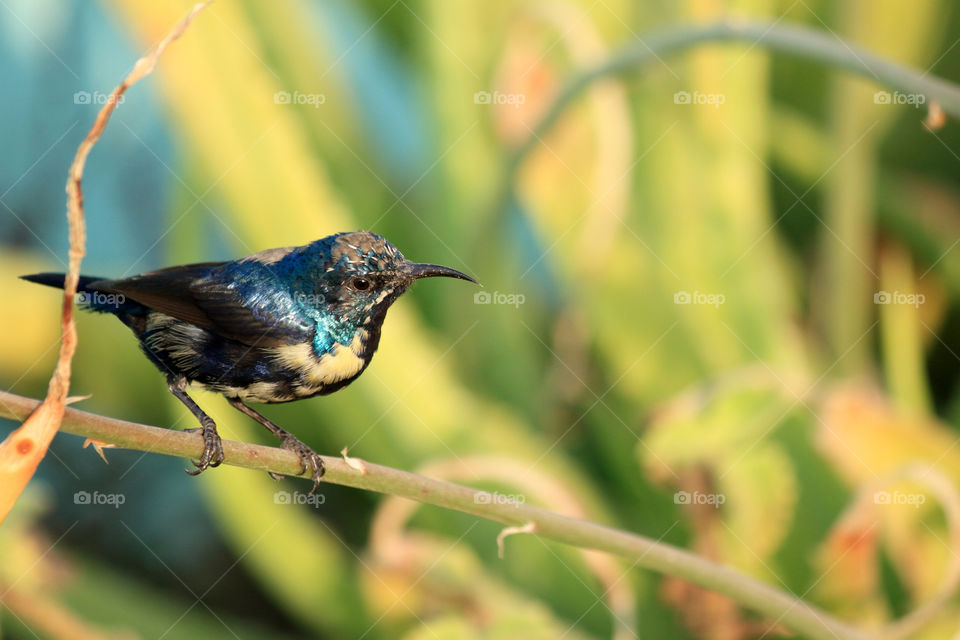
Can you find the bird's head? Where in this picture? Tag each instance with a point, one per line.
(353, 278)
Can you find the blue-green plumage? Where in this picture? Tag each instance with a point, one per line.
(280, 325)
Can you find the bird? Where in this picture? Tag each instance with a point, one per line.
(277, 326)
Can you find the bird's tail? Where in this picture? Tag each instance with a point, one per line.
(56, 280)
(88, 296)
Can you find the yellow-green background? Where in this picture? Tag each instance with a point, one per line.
(796, 200)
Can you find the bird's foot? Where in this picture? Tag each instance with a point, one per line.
(212, 448)
(309, 459)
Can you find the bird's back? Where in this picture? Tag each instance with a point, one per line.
(231, 327)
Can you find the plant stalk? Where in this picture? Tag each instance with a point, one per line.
(782, 607)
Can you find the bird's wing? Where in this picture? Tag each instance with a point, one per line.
(166, 290)
(208, 296)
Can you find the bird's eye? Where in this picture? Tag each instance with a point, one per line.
(361, 284)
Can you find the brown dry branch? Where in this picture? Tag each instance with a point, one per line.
(23, 449)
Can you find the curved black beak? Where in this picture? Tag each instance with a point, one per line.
(416, 271)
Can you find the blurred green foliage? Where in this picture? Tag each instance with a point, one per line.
(703, 352)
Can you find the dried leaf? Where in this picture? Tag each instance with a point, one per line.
(530, 527)
(936, 118)
(23, 449)
(353, 463)
(99, 446)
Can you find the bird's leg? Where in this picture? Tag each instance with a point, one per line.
(308, 457)
(212, 447)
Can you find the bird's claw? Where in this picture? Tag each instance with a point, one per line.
(308, 459)
(212, 449)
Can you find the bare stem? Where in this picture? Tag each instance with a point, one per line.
(782, 607)
(798, 41)
(801, 42)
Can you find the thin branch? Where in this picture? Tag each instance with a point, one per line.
(941, 95)
(22, 450)
(799, 41)
(646, 553)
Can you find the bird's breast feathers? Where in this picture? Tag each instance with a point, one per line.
(342, 362)
(258, 374)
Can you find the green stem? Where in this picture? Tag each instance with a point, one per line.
(799, 41)
(644, 552)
